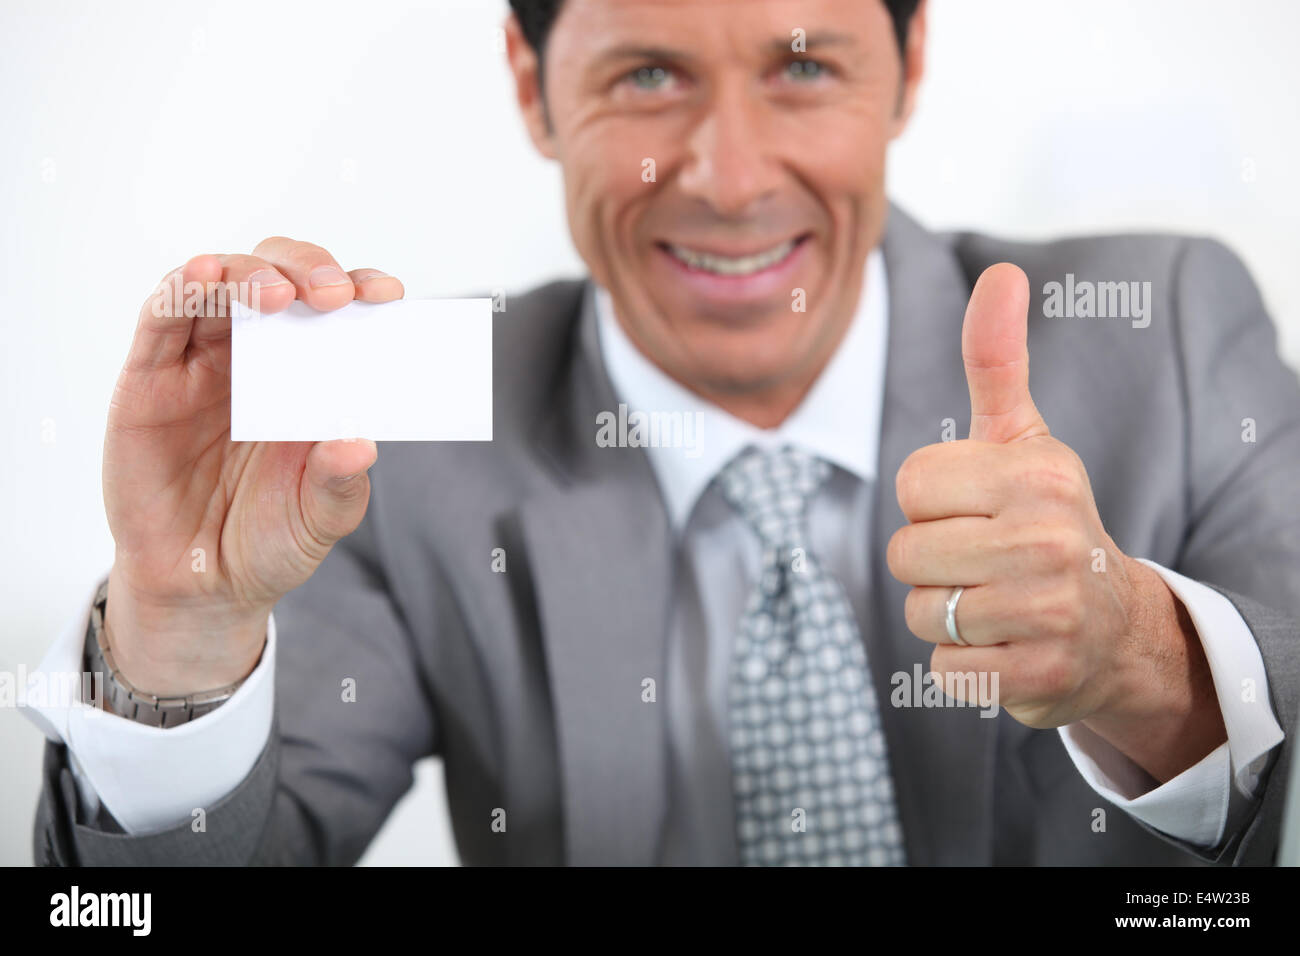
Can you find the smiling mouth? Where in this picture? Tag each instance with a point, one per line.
(733, 266)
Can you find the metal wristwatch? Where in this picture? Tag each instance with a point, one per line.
(126, 700)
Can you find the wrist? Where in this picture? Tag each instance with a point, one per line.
(1162, 711)
(182, 647)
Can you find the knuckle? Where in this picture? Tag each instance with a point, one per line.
(311, 540)
(307, 254)
(271, 242)
(1055, 678)
(1050, 481)
(1071, 459)
(943, 659)
(1063, 615)
(1046, 550)
(320, 529)
(351, 489)
(1057, 548)
(1076, 551)
(912, 610)
(909, 483)
(1076, 589)
(897, 553)
(239, 263)
(1056, 474)
(1035, 718)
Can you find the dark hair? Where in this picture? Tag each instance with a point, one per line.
(536, 17)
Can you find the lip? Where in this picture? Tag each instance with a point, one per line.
(736, 290)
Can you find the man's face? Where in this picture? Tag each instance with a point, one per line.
(719, 174)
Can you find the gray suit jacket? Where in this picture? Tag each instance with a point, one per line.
(527, 683)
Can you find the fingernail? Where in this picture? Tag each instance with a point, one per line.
(265, 278)
(324, 276)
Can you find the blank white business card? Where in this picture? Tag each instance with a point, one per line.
(410, 370)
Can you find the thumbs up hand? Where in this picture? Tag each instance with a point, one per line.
(1075, 629)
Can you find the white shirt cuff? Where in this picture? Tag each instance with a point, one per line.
(149, 778)
(1194, 806)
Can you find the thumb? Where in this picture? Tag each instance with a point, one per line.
(997, 359)
(336, 488)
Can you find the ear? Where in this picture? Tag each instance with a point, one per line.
(525, 66)
(913, 70)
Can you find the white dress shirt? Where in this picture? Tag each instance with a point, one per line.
(150, 778)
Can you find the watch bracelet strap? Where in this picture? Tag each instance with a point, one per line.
(124, 699)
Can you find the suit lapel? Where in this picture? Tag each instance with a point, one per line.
(941, 758)
(599, 547)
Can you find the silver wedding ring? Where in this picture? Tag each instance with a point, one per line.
(952, 615)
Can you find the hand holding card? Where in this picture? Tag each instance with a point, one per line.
(224, 479)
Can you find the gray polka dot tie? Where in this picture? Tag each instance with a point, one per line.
(810, 774)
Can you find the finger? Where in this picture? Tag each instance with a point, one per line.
(375, 286)
(163, 329)
(994, 350)
(984, 616)
(319, 280)
(1028, 676)
(336, 487)
(256, 283)
(974, 675)
(245, 279)
(946, 552)
(953, 478)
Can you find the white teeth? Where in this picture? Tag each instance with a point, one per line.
(725, 266)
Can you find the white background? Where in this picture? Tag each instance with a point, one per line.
(136, 135)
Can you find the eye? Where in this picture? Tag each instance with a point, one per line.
(806, 71)
(650, 78)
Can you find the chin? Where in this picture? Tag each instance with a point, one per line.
(739, 371)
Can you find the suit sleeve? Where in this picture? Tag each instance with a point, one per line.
(352, 714)
(1243, 529)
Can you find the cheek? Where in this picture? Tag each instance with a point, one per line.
(841, 162)
(605, 173)
(842, 149)
(852, 169)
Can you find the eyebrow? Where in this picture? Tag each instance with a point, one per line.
(775, 47)
(634, 51)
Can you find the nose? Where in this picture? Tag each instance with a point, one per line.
(728, 162)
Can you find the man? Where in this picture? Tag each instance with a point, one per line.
(628, 652)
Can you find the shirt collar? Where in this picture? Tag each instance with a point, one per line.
(838, 420)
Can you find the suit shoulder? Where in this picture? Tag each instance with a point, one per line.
(1153, 256)
(1200, 284)
(1202, 281)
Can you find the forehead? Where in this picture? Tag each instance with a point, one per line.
(586, 26)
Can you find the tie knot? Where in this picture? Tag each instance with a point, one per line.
(771, 489)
